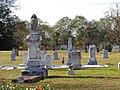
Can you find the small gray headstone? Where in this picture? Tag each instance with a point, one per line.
(56, 56)
(63, 47)
(13, 56)
(25, 56)
(48, 61)
(105, 54)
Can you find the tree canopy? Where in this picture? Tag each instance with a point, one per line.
(104, 31)
(7, 24)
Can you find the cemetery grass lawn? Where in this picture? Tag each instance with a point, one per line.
(85, 79)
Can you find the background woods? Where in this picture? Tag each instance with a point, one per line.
(105, 31)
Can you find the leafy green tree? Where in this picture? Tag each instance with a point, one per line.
(63, 28)
(7, 23)
(78, 26)
(44, 27)
(93, 34)
(113, 15)
(22, 30)
(54, 40)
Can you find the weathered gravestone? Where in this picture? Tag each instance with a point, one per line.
(56, 55)
(105, 53)
(76, 59)
(63, 47)
(48, 62)
(92, 55)
(25, 56)
(12, 55)
(116, 48)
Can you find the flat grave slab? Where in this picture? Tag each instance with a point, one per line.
(94, 66)
(83, 66)
(59, 66)
(7, 68)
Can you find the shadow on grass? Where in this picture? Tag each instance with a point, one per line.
(84, 77)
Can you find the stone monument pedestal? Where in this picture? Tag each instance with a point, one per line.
(35, 63)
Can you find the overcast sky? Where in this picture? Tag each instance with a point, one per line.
(53, 10)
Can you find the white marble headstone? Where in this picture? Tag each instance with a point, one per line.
(25, 58)
(43, 56)
(92, 55)
(48, 62)
(12, 55)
